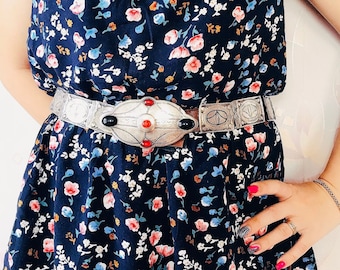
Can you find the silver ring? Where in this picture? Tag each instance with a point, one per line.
(292, 227)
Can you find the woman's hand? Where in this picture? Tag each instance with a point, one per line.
(308, 210)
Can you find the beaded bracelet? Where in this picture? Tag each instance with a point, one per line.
(327, 188)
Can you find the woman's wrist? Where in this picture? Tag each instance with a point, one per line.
(327, 187)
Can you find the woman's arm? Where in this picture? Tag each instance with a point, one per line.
(15, 73)
(330, 9)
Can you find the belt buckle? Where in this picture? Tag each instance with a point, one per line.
(146, 122)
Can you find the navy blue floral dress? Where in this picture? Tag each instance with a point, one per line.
(92, 202)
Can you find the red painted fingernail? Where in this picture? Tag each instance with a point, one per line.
(280, 265)
(253, 189)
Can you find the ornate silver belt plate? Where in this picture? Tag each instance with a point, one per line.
(148, 122)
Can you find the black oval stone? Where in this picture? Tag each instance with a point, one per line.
(186, 124)
(109, 120)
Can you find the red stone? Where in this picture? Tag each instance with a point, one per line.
(149, 102)
(146, 123)
(146, 143)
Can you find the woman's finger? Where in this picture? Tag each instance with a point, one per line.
(277, 188)
(267, 241)
(272, 213)
(295, 252)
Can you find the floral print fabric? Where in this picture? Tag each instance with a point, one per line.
(91, 202)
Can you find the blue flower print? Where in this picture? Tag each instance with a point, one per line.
(140, 28)
(270, 12)
(251, 5)
(103, 4)
(100, 266)
(90, 33)
(68, 173)
(213, 152)
(182, 215)
(160, 19)
(221, 261)
(67, 212)
(125, 42)
(94, 225)
(109, 205)
(186, 163)
(263, 68)
(217, 171)
(94, 53)
(207, 200)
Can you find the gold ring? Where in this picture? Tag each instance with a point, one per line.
(292, 227)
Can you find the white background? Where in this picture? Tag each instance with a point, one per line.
(308, 114)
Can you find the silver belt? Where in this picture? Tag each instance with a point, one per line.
(149, 122)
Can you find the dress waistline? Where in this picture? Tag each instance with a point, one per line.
(150, 123)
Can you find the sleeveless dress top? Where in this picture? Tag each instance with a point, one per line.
(92, 202)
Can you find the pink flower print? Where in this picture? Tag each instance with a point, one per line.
(109, 200)
(238, 14)
(52, 61)
(147, 151)
(180, 190)
(255, 87)
(170, 265)
(249, 128)
(196, 43)
(216, 77)
(225, 162)
(60, 138)
(78, 40)
(229, 85)
(266, 151)
(133, 14)
(155, 237)
(82, 228)
(10, 259)
(201, 225)
(260, 137)
(34, 205)
(153, 257)
(40, 51)
(171, 37)
(71, 189)
(48, 245)
(132, 224)
(53, 143)
(119, 88)
(77, 7)
(192, 65)
(41, 6)
(232, 266)
(109, 167)
(32, 157)
(58, 126)
(233, 208)
(188, 94)
(179, 52)
(157, 204)
(165, 250)
(50, 226)
(255, 59)
(251, 144)
(81, 93)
